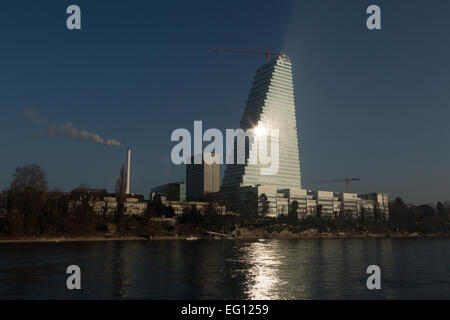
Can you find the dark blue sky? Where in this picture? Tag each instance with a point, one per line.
(370, 104)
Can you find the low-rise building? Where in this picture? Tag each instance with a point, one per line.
(134, 205)
(337, 205)
(110, 207)
(328, 204)
(280, 200)
(349, 203)
(324, 204)
(374, 206)
(180, 206)
(300, 196)
(103, 203)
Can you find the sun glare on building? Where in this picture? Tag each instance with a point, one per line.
(259, 130)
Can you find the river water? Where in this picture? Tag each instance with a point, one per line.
(228, 269)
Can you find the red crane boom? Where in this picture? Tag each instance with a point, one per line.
(267, 53)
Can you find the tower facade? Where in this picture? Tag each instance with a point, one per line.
(201, 179)
(270, 105)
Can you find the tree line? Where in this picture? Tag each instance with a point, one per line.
(32, 211)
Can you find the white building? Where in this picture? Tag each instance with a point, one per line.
(133, 206)
(103, 203)
(270, 106)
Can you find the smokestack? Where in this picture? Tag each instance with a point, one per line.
(127, 191)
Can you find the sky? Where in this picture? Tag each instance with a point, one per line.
(372, 104)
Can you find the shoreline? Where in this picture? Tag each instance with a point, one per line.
(245, 238)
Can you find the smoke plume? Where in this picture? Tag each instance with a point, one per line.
(33, 115)
(70, 130)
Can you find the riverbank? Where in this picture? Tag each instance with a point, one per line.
(329, 235)
(88, 238)
(248, 236)
(69, 239)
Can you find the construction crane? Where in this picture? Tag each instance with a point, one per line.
(267, 53)
(347, 182)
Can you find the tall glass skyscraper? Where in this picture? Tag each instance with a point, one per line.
(270, 105)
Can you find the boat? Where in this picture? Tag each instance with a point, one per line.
(191, 238)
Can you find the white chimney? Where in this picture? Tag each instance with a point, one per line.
(127, 191)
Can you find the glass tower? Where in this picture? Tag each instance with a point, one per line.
(270, 105)
(201, 179)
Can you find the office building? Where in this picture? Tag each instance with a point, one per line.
(270, 105)
(202, 178)
(172, 191)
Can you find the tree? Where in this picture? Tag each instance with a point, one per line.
(210, 215)
(210, 210)
(293, 211)
(283, 210)
(440, 209)
(376, 214)
(263, 204)
(294, 207)
(424, 211)
(336, 214)
(120, 183)
(29, 178)
(319, 211)
(169, 212)
(252, 203)
(120, 194)
(194, 209)
(26, 199)
(191, 215)
(400, 215)
(157, 204)
(363, 214)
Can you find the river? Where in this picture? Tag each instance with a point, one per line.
(228, 269)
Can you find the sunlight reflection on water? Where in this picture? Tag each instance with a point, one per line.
(263, 260)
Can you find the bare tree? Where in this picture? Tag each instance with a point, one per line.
(120, 184)
(120, 194)
(263, 204)
(293, 211)
(25, 199)
(29, 178)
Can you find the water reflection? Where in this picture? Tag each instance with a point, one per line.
(311, 269)
(269, 269)
(120, 262)
(263, 261)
